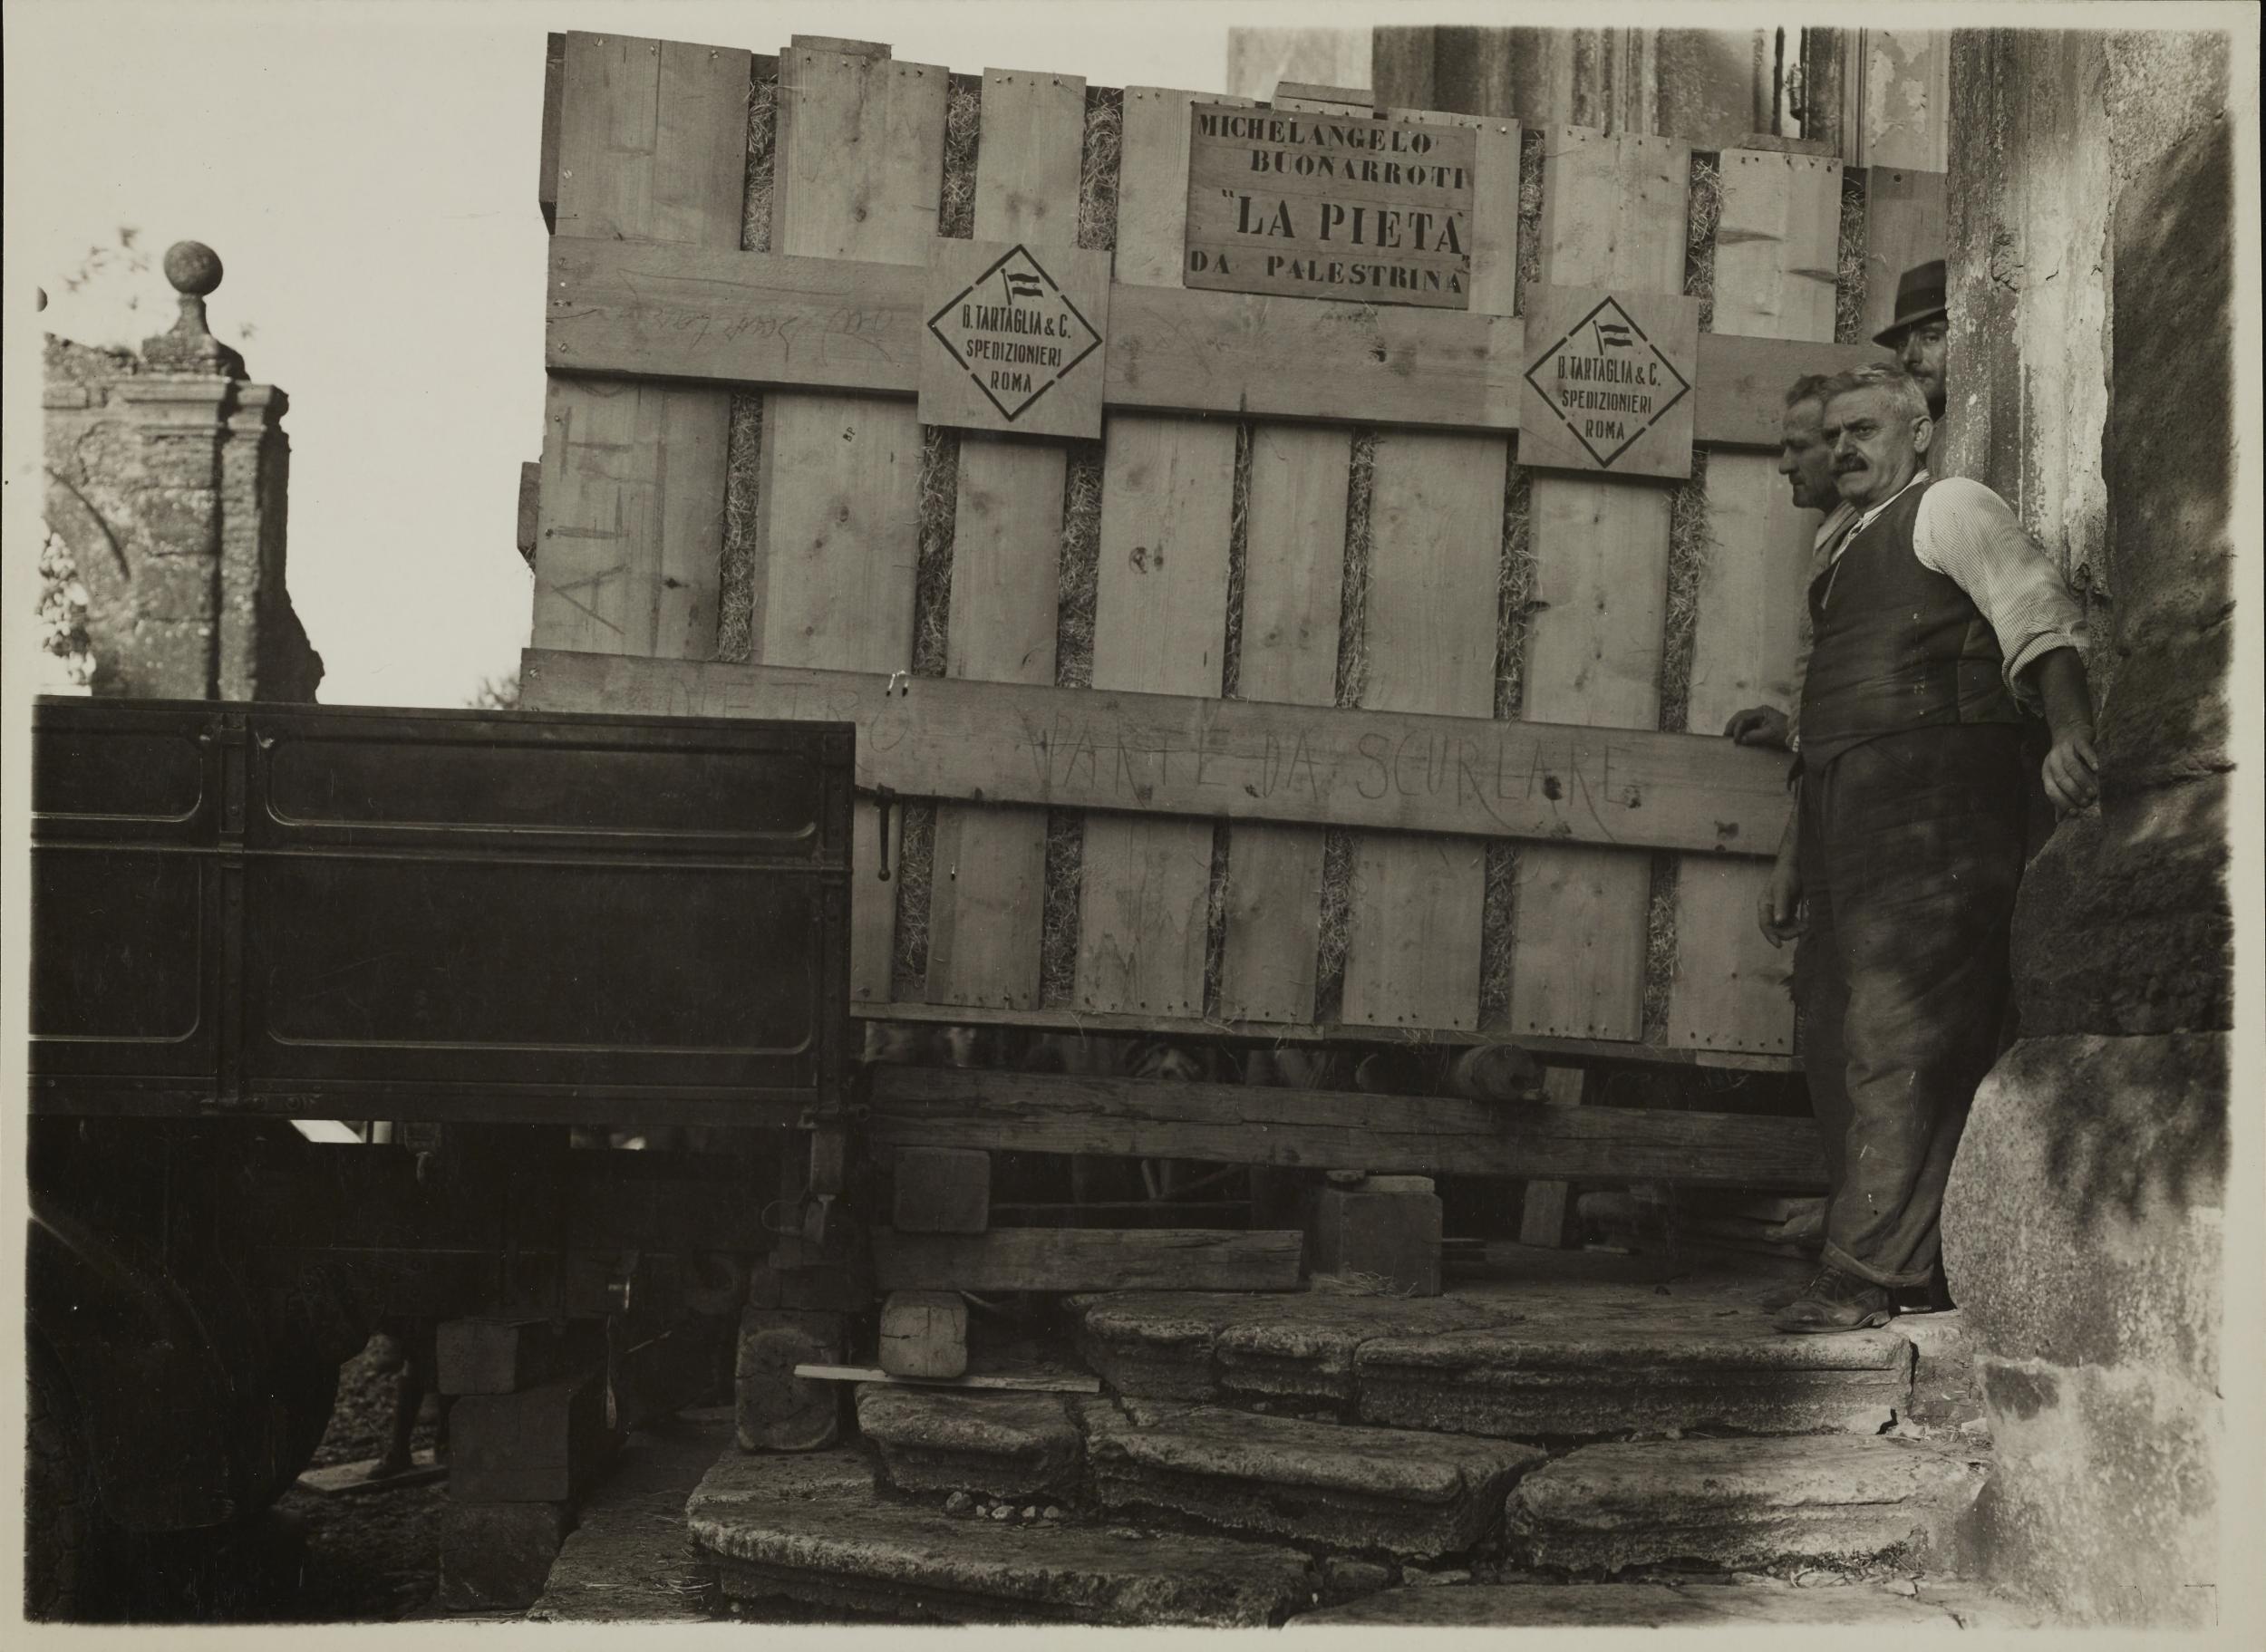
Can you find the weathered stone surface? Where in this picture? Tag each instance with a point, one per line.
(1196, 1345)
(813, 1529)
(1002, 1444)
(1370, 1489)
(1738, 1502)
(495, 1556)
(2083, 1239)
(629, 1559)
(1697, 1604)
(1944, 1394)
(1568, 1377)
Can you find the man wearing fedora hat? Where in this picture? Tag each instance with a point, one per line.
(1918, 332)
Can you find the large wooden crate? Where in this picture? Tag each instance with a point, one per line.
(1293, 707)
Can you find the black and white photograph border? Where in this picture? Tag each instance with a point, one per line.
(1287, 1018)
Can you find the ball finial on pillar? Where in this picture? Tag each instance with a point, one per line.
(192, 267)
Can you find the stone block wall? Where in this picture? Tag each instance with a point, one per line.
(2092, 198)
(167, 479)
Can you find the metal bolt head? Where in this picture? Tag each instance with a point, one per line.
(192, 267)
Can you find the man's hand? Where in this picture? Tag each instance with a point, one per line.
(2072, 771)
(1779, 912)
(1759, 726)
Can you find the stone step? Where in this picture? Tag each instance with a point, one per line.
(1348, 1489)
(1739, 1503)
(810, 1527)
(1652, 1606)
(999, 1444)
(1523, 1360)
(629, 1559)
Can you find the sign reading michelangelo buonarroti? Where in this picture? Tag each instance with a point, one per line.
(1609, 381)
(1014, 339)
(1318, 206)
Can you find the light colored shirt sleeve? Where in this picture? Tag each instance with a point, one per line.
(1966, 533)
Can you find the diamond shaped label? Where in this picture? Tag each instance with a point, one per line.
(1607, 382)
(1015, 332)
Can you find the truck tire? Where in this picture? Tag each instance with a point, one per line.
(65, 1533)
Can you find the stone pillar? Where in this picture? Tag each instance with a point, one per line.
(168, 479)
(2082, 1225)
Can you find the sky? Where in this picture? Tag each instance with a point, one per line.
(367, 173)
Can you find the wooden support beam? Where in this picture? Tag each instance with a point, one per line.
(1088, 1259)
(1544, 1217)
(504, 1355)
(1241, 1124)
(1172, 754)
(924, 1333)
(942, 1190)
(537, 1447)
(710, 316)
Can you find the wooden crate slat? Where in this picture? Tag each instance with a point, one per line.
(858, 174)
(1167, 491)
(1321, 1129)
(1776, 245)
(651, 147)
(988, 882)
(1436, 527)
(713, 316)
(1614, 210)
(1293, 562)
(1225, 760)
(1905, 225)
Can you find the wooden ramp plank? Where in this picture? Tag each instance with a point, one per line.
(1614, 210)
(1776, 245)
(1436, 536)
(988, 884)
(1237, 1123)
(652, 147)
(1167, 491)
(859, 171)
(1904, 225)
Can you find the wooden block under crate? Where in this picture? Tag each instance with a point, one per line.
(537, 1446)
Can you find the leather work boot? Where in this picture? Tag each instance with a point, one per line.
(1838, 1302)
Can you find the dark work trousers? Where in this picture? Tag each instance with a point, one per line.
(1910, 851)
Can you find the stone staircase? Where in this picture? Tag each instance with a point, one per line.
(1570, 1435)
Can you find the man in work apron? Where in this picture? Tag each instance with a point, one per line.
(1934, 620)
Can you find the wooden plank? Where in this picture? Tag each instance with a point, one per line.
(628, 309)
(554, 100)
(1776, 244)
(541, 1445)
(1318, 1129)
(1068, 1019)
(1167, 491)
(859, 171)
(529, 526)
(1613, 215)
(1225, 760)
(1088, 1259)
(1293, 570)
(1436, 536)
(985, 902)
(504, 1355)
(652, 148)
(1000, 1381)
(1547, 1205)
(1905, 225)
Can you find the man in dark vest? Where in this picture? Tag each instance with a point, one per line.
(1935, 620)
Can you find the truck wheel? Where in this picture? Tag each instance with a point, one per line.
(63, 1524)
